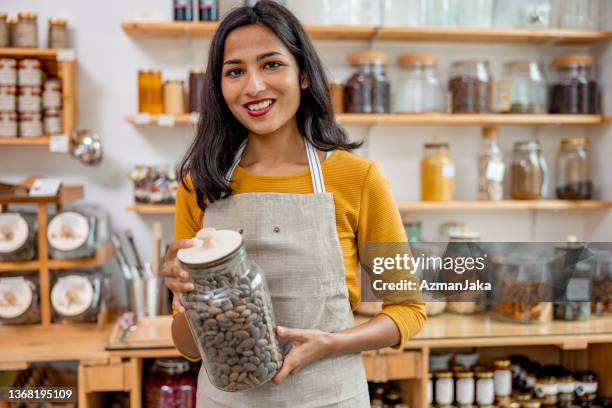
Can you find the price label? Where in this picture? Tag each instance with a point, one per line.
(495, 171)
(142, 118)
(58, 143)
(448, 171)
(195, 117)
(165, 120)
(66, 54)
(45, 187)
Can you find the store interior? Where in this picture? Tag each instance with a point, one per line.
(103, 99)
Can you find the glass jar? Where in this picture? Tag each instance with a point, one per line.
(575, 90)
(523, 89)
(174, 97)
(529, 172)
(8, 72)
(502, 376)
(336, 89)
(78, 295)
(52, 122)
(580, 14)
(429, 390)
(368, 89)
(8, 124)
(586, 387)
(30, 124)
(491, 167)
(444, 387)
(419, 90)
(154, 184)
(183, 10)
(574, 304)
(4, 30)
(19, 298)
(58, 33)
(197, 79)
(441, 13)
(231, 295)
(76, 232)
(169, 384)
(522, 14)
(29, 99)
(29, 72)
(485, 388)
(437, 173)
(150, 92)
(470, 87)
(18, 236)
(467, 359)
(532, 375)
(574, 179)
(601, 262)
(518, 365)
(475, 14)
(546, 389)
(52, 94)
(523, 290)
(26, 31)
(404, 13)
(465, 388)
(566, 386)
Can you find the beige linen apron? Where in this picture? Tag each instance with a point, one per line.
(293, 238)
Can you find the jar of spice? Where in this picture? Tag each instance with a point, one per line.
(174, 97)
(470, 87)
(170, 384)
(58, 33)
(444, 387)
(586, 386)
(529, 172)
(546, 389)
(8, 124)
(8, 98)
(502, 376)
(30, 125)
(485, 388)
(150, 92)
(29, 72)
(523, 89)
(19, 303)
(368, 89)
(52, 122)
(465, 388)
(4, 31)
(437, 173)
(196, 90)
(575, 90)
(29, 99)
(26, 31)
(419, 90)
(574, 179)
(52, 94)
(491, 167)
(8, 72)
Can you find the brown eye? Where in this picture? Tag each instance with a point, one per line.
(273, 64)
(233, 72)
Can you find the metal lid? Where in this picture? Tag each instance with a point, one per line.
(576, 141)
(417, 60)
(501, 363)
(210, 245)
(172, 365)
(27, 16)
(436, 145)
(484, 374)
(174, 82)
(443, 374)
(464, 374)
(356, 58)
(574, 60)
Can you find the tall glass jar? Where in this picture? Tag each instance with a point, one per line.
(470, 87)
(575, 90)
(485, 388)
(441, 13)
(57, 36)
(523, 14)
(580, 14)
(437, 173)
(404, 13)
(170, 385)
(4, 30)
(150, 92)
(491, 166)
(574, 180)
(368, 89)
(230, 295)
(419, 90)
(523, 89)
(26, 31)
(529, 171)
(475, 14)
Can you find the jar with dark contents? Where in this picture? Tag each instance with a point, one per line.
(574, 89)
(566, 385)
(574, 179)
(170, 385)
(26, 31)
(546, 389)
(586, 387)
(18, 236)
(368, 89)
(196, 90)
(183, 10)
(470, 87)
(58, 33)
(574, 304)
(528, 172)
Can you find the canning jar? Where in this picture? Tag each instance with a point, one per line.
(52, 94)
(29, 72)
(529, 172)
(8, 98)
(580, 14)
(8, 124)
(230, 296)
(441, 13)
(19, 298)
(4, 30)
(586, 387)
(566, 386)
(574, 179)
(183, 10)
(485, 388)
(368, 89)
(464, 301)
(474, 13)
(522, 14)
(18, 236)
(523, 290)
(465, 388)
(8, 72)
(491, 166)
(470, 87)
(76, 233)
(30, 124)
(58, 33)
(502, 376)
(26, 31)
(601, 262)
(78, 295)
(419, 89)
(29, 99)
(574, 89)
(437, 173)
(444, 394)
(546, 389)
(523, 89)
(150, 98)
(174, 97)
(196, 90)
(169, 384)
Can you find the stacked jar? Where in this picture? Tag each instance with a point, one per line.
(52, 106)
(420, 90)
(368, 89)
(8, 97)
(29, 99)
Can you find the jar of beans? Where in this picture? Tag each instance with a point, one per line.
(368, 89)
(574, 180)
(230, 312)
(470, 87)
(529, 171)
(575, 90)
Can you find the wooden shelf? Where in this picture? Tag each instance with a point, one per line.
(151, 208)
(160, 120)
(26, 141)
(40, 53)
(505, 205)
(365, 33)
(103, 255)
(66, 195)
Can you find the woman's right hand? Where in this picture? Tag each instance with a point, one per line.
(177, 280)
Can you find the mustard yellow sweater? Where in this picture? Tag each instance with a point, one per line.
(365, 212)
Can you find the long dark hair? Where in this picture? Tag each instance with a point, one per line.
(219, 133)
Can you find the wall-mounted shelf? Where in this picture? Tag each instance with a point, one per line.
(25, 141)
(103, 254)
(40, 53)
(551, 205)
(161, 120)
(151, 208)
(365, 33)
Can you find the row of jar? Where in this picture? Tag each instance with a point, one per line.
(22, 31)
(154, 184)
(77, 295)
(528, 176)
(156, 96)
(385, 395)
(74, 233)
(471, 88)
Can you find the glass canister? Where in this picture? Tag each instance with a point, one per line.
(368, 89)
(78, 295)
(4, 30)
(523, 13)
(419, 90)
(445, 387)
(601, 264)
(437, 173)
(58, 33)
(230, 296)
(196, 90)
(76, 232)
(529, 172)
(174, 97)
(586, 387)
(491, 166)
(574, 89)
(523, 89)
(470, 87)
(19, 298)
(574, 179)
(523, 290)
(169, 384)
(580, 14)
(26, 31)
(566, 386)
(18, 236)
(150, 92)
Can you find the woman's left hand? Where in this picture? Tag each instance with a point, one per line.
(308, 346)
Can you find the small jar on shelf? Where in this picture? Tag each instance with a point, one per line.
(4, 30)
(586, 387)
(58, 33)
(76, 232)
(601, 262)
(368, 89)
(174, 97)
(150, 99)
(470, 87)
(437, 173)
(502, 376)
(19, 298)
(465, 388)
(18, 236)
(79, 295)
(381, 86)
(485, 388)
(491, 167)
(574, 303)
(523, 89)
(575, 89)
(546, 389)
(445, 387)
(574, 179)
(170, 384)
(419, 90)
(529, 172)
(26, 31)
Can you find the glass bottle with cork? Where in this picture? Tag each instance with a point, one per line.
(491, 166)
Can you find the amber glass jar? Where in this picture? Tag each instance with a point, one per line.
(437, 173)
(150, 92)
(574, 180)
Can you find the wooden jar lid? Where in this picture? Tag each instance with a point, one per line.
(356, 58)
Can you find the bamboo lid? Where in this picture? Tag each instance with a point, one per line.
(355, 58)
(576, 141)
(572, 60)
(417, 60)
(27, 16)
(489, 132)
(57, 21)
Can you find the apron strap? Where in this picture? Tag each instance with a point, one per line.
(318, 184)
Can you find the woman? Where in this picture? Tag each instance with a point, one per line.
(269, 128)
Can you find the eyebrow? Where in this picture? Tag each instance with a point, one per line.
(259, 58)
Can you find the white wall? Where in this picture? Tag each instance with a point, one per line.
(108, 63)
